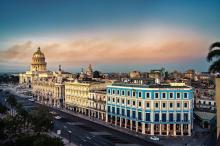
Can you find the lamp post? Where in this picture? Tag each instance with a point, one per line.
(70, 133)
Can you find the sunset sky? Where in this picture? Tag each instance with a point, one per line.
(112, 35)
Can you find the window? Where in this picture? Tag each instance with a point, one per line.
(171, 117)
(122, 92)
(185, 117)
(113, 91)
(185, 95)
(113, 99)
(171, 95)
(128, 93)
(156, 104)
(156, 95)
(139, 115)
(123, 101)
(109, 99)
(133, 94)
(133, 114)
(185, 105)
(147, 117)
(139, 103)
(128, 102)
(118, 92)
(178, 95)
(178, 117)
(123, 112)
(113, 110)
(147, 104)
(109, 91)
(178, 105)
(147, 94)
(171, 105)
(163, 95)
(156, 117)
(109, 109)
(118, 100)
(164, 105)
(128, 113)
(118, 111)
(164, 117)
(139, 94)
(134, 103)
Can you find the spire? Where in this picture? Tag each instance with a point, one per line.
(60, 68)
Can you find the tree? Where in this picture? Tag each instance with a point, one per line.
(42, 120)
(12, 101)
(214, 53)
(3, 109)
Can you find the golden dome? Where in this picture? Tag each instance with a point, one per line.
(38, 54)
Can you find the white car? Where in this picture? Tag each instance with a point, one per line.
(154, 138)
(57, 117)
(32, 100)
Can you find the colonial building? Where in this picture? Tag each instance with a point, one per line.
(77, 94)
(151, 109)
(97, 104)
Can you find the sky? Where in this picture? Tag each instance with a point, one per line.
(112, 35)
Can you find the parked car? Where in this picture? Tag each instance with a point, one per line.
(31, 99)
(154, 138)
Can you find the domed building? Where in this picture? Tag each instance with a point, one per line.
(38, 68)
(38, 61)
(135, 74)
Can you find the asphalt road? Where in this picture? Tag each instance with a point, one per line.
(84, 132)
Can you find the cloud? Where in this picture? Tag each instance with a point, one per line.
(145, 46)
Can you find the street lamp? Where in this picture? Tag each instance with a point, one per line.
(70, 133)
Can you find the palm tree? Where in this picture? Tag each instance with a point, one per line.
(214, 52)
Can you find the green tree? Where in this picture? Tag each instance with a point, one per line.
(3, 109)
(42, 120)
(12, 101)
(214, 52)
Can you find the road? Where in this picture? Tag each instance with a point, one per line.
(84, 132)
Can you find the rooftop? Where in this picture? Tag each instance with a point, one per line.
(148, 86)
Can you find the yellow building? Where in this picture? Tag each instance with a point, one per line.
(77, 94)
(38, 68)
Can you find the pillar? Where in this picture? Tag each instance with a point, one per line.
(136, 126)
(106, 119)
(189, 129)
(120, 122)
(143, 128)
(152, 129)
(168, 129)
(182, 129)
(126, 123)
(160, 129)
(131, 124)
(174, 129)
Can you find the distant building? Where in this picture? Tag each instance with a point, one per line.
(154, 109)
(135, 74)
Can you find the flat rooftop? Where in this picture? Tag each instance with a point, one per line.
(148, 86)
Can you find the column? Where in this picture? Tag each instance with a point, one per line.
(126, 123)
(116, 119)
(189, 129)
(143, 128)
(136, 126)
(131, 124)
(168, 129)
(120, 122)
(182, 129)
(106, 119)
(160, 127)
(174, 129)
(151, 129)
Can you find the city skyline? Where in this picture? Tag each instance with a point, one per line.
(117, 36)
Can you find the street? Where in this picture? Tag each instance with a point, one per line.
(83, 132)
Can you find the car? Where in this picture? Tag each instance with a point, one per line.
(31, 99)
(154, 138)
(57, 117)
(53, 113)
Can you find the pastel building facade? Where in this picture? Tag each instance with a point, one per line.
(154, 110)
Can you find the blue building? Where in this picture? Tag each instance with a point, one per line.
(151, 109)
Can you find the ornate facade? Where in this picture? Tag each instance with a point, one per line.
(97, 104)
(77, 94)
